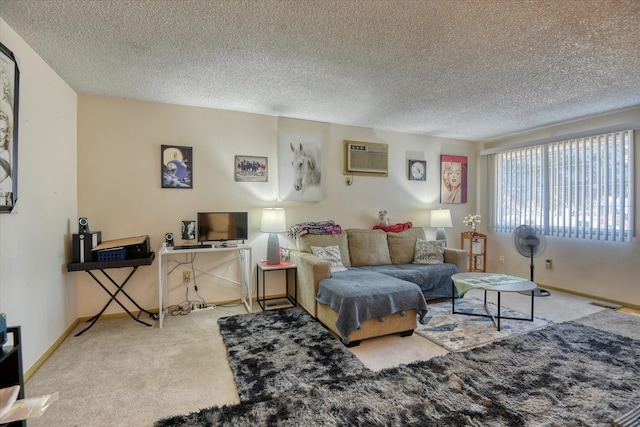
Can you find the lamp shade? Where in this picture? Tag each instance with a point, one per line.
(273, 220)
(441, 218)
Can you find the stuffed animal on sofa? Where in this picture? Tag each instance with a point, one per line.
(382, 216)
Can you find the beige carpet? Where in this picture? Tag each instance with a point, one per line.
(121, 373)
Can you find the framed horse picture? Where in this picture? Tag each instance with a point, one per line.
(9, 88)
(251, 169)
(300, 166)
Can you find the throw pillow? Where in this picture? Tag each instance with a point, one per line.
(402, 245)
(331, 254)
(368, 247)
(323, 240)
(429, 252)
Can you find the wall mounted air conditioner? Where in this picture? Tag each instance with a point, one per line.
(366, 158)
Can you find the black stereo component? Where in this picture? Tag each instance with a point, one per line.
(139, 250)
(83, 244)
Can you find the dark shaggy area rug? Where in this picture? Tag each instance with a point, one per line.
(566, 374)
(284, 351)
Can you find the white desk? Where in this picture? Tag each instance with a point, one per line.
(244, 257)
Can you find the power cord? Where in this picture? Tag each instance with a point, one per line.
(187, 306)
(181, 309)
(184, 307)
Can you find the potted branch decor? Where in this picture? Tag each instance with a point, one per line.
(472, 221)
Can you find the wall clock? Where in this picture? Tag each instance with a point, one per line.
(417, 170)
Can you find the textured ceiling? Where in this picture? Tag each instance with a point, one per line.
(467, 69)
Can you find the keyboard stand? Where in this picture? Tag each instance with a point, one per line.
(102, 266)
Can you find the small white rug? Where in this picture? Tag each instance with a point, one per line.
(458, 332)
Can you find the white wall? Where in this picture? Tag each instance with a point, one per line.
(606, 270)
(35, 290)
(119, 182)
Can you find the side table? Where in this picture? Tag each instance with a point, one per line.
(291, 295)
(476, 246)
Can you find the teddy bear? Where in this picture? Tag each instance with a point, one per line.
(382, 216)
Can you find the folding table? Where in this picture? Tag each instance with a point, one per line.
(102, 266)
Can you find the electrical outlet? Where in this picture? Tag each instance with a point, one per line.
(548, 263)
(186, 276)
(501, 260)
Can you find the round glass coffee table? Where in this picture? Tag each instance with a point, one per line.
(490, 282)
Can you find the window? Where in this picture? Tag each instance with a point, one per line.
(580, 188)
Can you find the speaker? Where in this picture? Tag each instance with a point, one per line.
(83, 224)
(168, 238)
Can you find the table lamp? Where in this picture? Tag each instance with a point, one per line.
(441, 218)
(273, 222)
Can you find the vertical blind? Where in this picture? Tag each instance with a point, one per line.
(580, 188)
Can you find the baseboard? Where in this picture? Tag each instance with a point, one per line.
(581, 294)
(50, 351)
(108, 316)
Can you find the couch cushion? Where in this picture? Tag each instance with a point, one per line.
(402, 245)
(305, 242)
(368, 247)
(331, 254)
(429, 252)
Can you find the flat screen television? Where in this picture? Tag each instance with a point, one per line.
(222, 226)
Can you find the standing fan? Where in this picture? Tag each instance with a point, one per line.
(529, 243)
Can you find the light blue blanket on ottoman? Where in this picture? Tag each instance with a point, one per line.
(358, 295)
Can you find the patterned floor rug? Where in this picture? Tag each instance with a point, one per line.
(458, 332)
(565, 374)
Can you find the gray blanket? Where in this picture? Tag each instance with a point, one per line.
(358, 295)
(434, 279)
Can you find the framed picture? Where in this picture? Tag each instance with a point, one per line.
(299, 166)
(251, 169)
(188, 229)
(10, 85)
(177, 166)
(417, 170)
(454, 179)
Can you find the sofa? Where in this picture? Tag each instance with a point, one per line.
(367, 283)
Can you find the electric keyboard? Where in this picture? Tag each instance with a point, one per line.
(192, 247)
